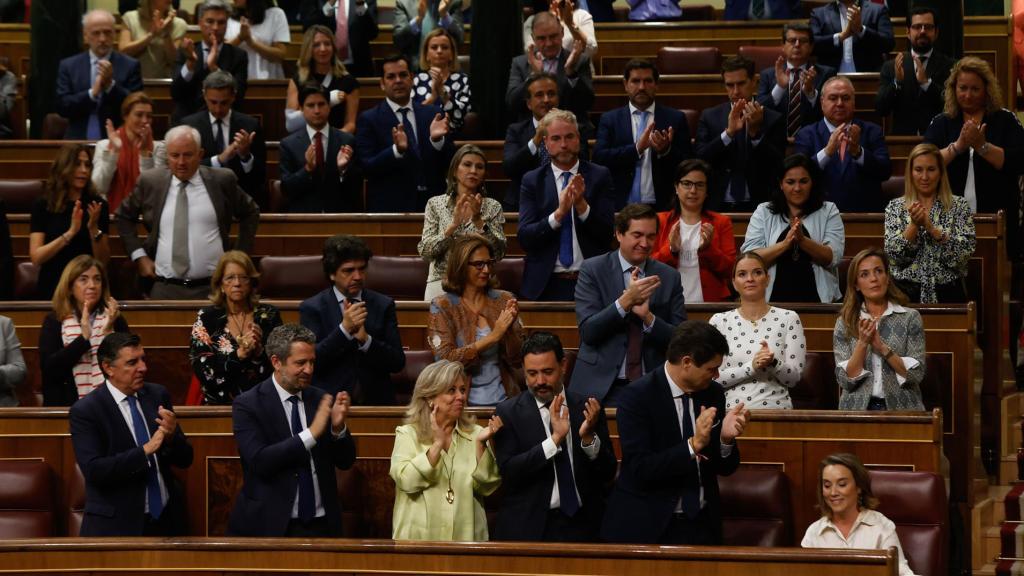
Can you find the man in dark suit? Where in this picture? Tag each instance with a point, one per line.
(642, 143)
(126, 438)
(524, 145)
(793, 86)
(743, 141)
(414, 19)
(182, 259)
(195, 61)
(356, 329)
(554, 454)
(318, 173)
(352, 38)
(404, 148)
(601, 10)
(852, 36)
(850, 152)
(288, 453)
(572, 69)
(565, 213)
(231, 139)
(627, 305)
(912, 86)
(92, 85)
(676, 439)
(763, 10)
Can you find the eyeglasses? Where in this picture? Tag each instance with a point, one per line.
(922, 27)
(797, 41)
(690, 185)
(236, 279)
(479, 264)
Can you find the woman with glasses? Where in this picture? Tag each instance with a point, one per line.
(227, 338)
(476, 324)
(696, 241)
(463, 209)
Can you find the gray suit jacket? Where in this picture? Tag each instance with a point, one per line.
(603, 332)
(12, 365)
(148, 198)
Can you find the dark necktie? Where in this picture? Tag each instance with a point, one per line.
(757, 8)
(634, 344)
(218, 136)
(318, 149)
(409, 131)
(542, 153)
(565, 251)
(307, 499)
(153, 497)
(738, 176)
(793, 118)
(568, 503)
(691, 494)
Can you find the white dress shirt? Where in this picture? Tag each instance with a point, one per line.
(412, 120)
(121, 399)
(779, 93)
(551, 449)
(871, 531)
(204, 242)
(577, 254)
(846, 63)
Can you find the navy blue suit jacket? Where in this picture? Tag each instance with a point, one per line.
(781, 9)
(656, 462)
(340, 365)
(868, 51)
(321, 193)
(810, 112)
(517, 159)
(853, 188)
(539, 198)
(73, 87)
(527, 477)
(392, 182)
(759, 163)
(271, 457)
(604, 333)
(616, 149)
(115, 467)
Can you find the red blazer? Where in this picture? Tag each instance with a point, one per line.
(715, 261)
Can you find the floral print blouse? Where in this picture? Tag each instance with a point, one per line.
(214, 354)
(925, 261)
(438, 216)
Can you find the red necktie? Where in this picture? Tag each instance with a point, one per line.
(319, 149)
(341, 31)
(842, 151)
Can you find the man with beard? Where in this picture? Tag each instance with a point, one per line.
(554, 453)
(911, 87)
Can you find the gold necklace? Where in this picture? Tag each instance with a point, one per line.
(239, 325)
(754, 321)
(450, 494)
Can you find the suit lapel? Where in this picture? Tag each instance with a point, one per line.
(528, 413)
(149, 407)
(614, 272)
(273, 410)
(665, 404)
(626, 124)
(158, 205)
(333, 309)
(213, 192)
(114, 414)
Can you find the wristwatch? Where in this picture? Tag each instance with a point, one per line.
(888, 354)
(99, 234)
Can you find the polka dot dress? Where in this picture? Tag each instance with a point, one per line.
(457, 92)
(766, 388)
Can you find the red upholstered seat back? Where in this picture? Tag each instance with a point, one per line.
(26, 499)
(291, 276)
(689, 60)
(916, 503)
(401, 277)
(756, 510)
(405, 381)
(817, 389)
(26, 277)
(76, 503)
(763, 56)
(19, 195)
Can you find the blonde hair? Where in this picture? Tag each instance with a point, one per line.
(944, 194)
(305, 62)
(974, 65)
(454, 66)
(557, 114)
(241, 259)
(64, 304)
(433, 381)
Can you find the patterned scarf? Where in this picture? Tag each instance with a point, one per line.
(86, 371)
(127, 172)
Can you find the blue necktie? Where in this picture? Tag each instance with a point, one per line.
(307, 499)
(568, 503)
(565, 241)
(634, 191)
(156, 502)
(691, 494)
(92, 127)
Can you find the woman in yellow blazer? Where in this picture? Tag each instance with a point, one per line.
(443, 463)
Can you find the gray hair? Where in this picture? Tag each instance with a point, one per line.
(542, 18)
(96, 12)
(219, 80)
(211, 5)
(280, 341)
(183, 130)
(557, 114)
(837, 78)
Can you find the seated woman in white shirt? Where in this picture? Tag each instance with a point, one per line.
(766, 357)
(261, 29)
(849, 518)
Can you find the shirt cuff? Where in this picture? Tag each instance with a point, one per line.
(910, 363)
(340, 435)
(138, 253)
(248, 164)
(863, 31)
(360, 9)
(647, 328)
(823, 158)
(414, 26)
(307, 439)
(859, 160)
(836, 41)
(592, 449)
(864, 372)
(366, 345)
(778, 93)
(555, 223)
(438, 144)
(726, 449)
(394, 150)
(620, 309)
(586, 213)
(215, 161)
(926, 85)
(328, 8)
(186, 74)
(549, 447)
(572, 81)
(689, 447)
(335, 98)
(531, 147)
(726, 139)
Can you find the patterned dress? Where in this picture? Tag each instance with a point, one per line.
(214, 354)
(457, 101)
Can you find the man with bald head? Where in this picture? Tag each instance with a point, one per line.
(187, 210)
(92, 85)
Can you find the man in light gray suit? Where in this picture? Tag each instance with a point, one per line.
(627, 306)
(187, 209)
(12, 364)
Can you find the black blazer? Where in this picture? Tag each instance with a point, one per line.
(319, 193)
(115, 467)
(361, 30)
(58, 360)
(912, 109)
(656, 462)
(188, 94)
(616, 149)
(868, 51)
(340, 365)
(271, 457)
(810, 112)
(517, 160)
(762, 161)
(527, 477)
(253, 182)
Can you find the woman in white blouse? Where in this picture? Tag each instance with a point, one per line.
(849, 518)
(261, 29)
(766, 344)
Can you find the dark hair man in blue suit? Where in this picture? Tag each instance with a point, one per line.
(676, 439)
(291, 436)
(357, 339)
(92, 85)
(126, 438)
